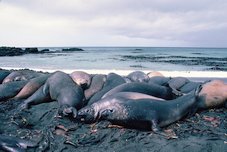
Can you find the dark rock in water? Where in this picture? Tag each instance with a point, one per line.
(31, 50)
(11, 51)
(72, 49)
(44, 51)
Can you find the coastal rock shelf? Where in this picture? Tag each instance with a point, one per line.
(15, 51)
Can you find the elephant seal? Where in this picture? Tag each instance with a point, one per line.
(31, 87)
(81, 78)
(97, 83)
(140, 113)
(177, 82)
(60, 87)
(135, 95)
(154, 74)
(21, 75)
(160, 80)
(138, 76)
(188, 87)
(213, 94)
(150, 89)
(11, 89)
(3, 74)
(15, 144)
(112, 81)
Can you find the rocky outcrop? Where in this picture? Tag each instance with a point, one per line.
(31, 50)
(72, 49)
(14, 51)
(11, 51)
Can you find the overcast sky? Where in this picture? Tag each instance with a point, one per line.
(200, 23)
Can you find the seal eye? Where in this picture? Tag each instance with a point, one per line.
(87, 111)
(111, 110)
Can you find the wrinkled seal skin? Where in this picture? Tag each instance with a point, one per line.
(63, 89)
(97, 83)
(149, 113)
(14, 144)
(81, 78)
(150, 89)
(3, 74)
(112, 81)
(21, 75)
(138, 76)
(31, 87)
(11, 89)
(213, 94)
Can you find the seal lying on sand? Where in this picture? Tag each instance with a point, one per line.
(150, 89)
(97, 83)
(11, 89)
(21, 75)
(31, 87)
(81, 78)
(62, 88)
(112, 81)
(213, 94)
(138, 76)
(148, 113)
(3, 74)
(14, 144)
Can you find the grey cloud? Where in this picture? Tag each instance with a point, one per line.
(161, 20)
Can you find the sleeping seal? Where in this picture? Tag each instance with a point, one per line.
(150, 89)
(141, 113)
(81, 78)
(112, 81)
(3, 74)
(97, 83)
(213, 94)
(138, 76)
(63, 89)
(11, 89)
(31, 87)
(21, 75)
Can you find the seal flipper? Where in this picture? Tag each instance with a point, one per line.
(155, 127)
(67, 110)
(40, 96)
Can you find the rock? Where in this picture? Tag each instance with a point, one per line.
(11, 51)
(72, 49)
(31, 50)
(44, 51)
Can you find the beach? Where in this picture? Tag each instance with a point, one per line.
(205, 131)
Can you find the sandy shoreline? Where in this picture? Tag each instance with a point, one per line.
(189, 74)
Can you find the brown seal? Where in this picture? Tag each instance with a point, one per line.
(213, 94)
(97, 83)
(11, 89)
(31, 87)
(60, 87)
(81, 78)
(21, 75)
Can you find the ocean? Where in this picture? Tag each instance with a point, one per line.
(123, 58)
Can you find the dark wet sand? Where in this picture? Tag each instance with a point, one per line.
(205, 131)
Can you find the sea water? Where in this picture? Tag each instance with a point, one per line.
(123, 58)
